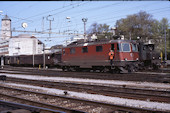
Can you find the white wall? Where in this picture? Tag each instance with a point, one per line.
(23, 46)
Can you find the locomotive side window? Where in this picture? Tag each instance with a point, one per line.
(151, 47)
(126, 47)
(84, 50)
(134, 48)
(99, 48)
(63, 51)
(72, 50)
(112, 47)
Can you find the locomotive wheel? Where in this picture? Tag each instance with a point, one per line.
(155, 66)
(69, 68)
(77, 69)
(131, 68)
(65, 69)
(102, 69)
(117, 70)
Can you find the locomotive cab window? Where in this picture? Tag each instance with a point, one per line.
(134, 48)
(99, 48)
(119, 48)
(84, 50)
(126, 47)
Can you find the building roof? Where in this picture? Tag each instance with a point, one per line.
(24, 36)
(57, 47)
(40, 42)
(6, 18)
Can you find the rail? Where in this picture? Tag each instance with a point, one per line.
(113, 106)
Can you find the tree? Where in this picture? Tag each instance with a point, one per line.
(101, 30)
(163, 31)
(93, 29)
(136, 25)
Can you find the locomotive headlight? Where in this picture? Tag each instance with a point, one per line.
(137, 59)
(125, 59)
(48, 57)
(153, 58)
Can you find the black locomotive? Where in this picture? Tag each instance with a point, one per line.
(149, 58)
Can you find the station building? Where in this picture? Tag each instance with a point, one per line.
(23, 44)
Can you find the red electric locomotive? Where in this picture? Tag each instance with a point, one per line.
(95, 55)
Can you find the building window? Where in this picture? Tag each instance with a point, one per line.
(99, 48)
(72, 50)
(84, 50)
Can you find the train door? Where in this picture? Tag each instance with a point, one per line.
(2, 61)
(8, 62)
(18, 60)
(126, 51)
(112, 47)
(132, 46)
(134, 52)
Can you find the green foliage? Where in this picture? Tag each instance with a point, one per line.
(101, 30)
(137, 25)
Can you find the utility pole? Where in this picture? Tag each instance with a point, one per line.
(67, 39)
(44, 56)
(84, 20)
(34, 49)
(43, 24)
(165, 44)
(52, 19)
(48, 19)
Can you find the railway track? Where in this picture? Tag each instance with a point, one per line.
(10, 107)
(55, 102)
(7, 67)
(114, 91)
(156, 77)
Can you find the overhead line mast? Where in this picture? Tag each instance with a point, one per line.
(50, 24)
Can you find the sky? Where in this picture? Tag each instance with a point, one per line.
(66, 16)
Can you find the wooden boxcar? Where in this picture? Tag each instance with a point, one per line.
(36, 60)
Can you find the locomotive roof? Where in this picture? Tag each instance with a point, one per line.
(96, 42)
